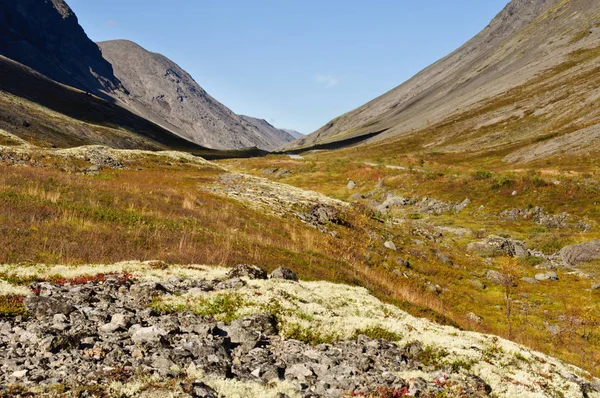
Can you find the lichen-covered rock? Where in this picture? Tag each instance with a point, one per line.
(284, 273)
(575, 254)
(248, 271)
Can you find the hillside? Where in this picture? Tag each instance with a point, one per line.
(161, 91)
(47, 37)
(523, 79)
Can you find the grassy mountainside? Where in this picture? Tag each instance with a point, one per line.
(433, 264)
(528, 77)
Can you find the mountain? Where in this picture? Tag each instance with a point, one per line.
(524, 79)
(270, 132)
(294, 133)
(163, 92)
(46, 36)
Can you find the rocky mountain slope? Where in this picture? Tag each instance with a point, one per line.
(46, 36)
(523, 78)
(214, 332)
(294, 133)
(270, 132)
(161, 91)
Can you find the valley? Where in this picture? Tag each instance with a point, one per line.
(442, 240)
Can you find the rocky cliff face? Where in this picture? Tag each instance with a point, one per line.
(163, 92)
(525, 40)
(46, 36)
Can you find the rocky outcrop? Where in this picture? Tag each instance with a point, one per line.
(46, 36)
(102, 335)
(574, 254)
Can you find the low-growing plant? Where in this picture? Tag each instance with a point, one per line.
(433, 356)
(482, 175)
(310, 335)
(12, 305)
(222, 307)
(378, 332)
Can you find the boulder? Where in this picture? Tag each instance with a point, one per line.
(47, 306)
(471, 316)
(548, 276)
(146, 291)
(146, 335)
(390, 245)
(495, 244)
(248, 271)
(230, 284)
(284, 273)
(580, 253)
(250, 330)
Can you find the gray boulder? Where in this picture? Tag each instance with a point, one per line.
(146, 335)
(47, 306)
(548, 276)
(284, 273)
(147, 290)
(248, 271)
(580, 253)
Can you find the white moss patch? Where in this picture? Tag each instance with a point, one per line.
(6, 289)
(342, 310)
(143, 271)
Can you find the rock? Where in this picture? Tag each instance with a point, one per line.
(476, 283)
(529, 280)
(549, 276)
(284, 273)
(351, 185)
(495, 276)
(575, 254)
(298, 371)
(474, 317)
(443, 258)
(19, 374)
(146, 291)
(357, 196)
(394, 201)
(402, 262)
(248, 271)
(198, 389)
(146, 335)
(390, 245)
(283, 173)
(94, 168)
(47, 306)
(325, 214)
(250, 330)
(230, 284)
(494, 245)
(553, 329)
(118, 321)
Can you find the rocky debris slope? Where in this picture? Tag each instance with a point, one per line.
(215, 332)
(161, 91)
(46, 36)
(281, 199)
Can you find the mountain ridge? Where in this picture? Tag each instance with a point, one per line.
(524, 40)
(160, 90)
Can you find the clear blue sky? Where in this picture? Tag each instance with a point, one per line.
(296, 63)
